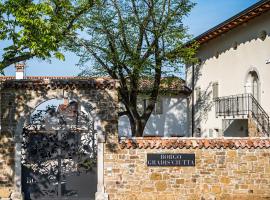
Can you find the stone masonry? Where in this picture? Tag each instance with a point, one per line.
(6, 161)
(20, 97)
(232, 169)
(226, 168)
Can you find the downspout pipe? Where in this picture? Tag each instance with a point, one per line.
(192, 101)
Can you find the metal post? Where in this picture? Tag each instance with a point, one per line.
(192, 102)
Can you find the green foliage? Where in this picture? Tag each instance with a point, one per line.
(38, 28)
(131, 39)
(124, 32)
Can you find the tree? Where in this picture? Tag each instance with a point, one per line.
(132, 40)
(37, 28)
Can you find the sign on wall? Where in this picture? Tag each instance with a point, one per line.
(170, 160)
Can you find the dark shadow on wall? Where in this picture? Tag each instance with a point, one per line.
(237, 37)
(231, 41)
(203, 99)
(171, 123)
(235, 127)
(155, 126)
(202, 108)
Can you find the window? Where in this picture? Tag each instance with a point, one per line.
(198, 94)
(255, 86)
(215, 90)
(143, 103)
(158, 110)
(252, 85)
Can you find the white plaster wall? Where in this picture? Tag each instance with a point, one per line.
(231, 68)
(173, 121)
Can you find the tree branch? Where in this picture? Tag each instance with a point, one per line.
(77, 15)
(120, 114)
(122, 27)
(9, 61)
(100, 61)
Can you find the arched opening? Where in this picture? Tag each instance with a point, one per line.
(252, 85)
(21, 98)
(59, 152)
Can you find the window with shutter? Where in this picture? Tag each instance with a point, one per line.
(215, 90)
(158, 107)
(198, 94)
(143, 103)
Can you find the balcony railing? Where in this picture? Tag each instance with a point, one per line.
(243, 105)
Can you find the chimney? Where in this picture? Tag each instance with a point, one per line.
(20, 70)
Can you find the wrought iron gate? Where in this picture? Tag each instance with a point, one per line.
(59, 156)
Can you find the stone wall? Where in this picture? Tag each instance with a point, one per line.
(7, 147)
(6, 166)
(252, 128)
(19, 98)
(236, 168)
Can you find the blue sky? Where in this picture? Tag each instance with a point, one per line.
(205, 15)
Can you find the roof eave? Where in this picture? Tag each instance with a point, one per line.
(233, 22)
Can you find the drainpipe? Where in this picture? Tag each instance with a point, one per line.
(192, 101)
(20, 70)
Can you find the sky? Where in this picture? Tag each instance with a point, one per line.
(205, 15)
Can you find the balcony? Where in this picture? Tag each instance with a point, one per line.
(242, 106)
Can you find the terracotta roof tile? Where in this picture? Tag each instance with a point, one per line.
(267, 143)
(235, 21)
(168, 84)
(194, 143)
(173, 83)
(53, 77)
(64, 82)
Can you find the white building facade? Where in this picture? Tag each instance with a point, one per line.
(231, 83)
(170, 117)
(170, 121)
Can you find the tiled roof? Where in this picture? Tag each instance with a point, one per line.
(2, 78)
(241, 18)
(35, 82)
(168, 84)
(194, 143)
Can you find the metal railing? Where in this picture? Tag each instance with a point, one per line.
(243, 105)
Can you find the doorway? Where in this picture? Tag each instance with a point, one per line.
(59, 153)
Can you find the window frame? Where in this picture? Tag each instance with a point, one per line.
(215, 90)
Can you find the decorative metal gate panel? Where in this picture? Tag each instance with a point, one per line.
(59, 155)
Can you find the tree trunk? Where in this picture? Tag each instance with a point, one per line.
(139, 128)
(132, 125)
(138, 123)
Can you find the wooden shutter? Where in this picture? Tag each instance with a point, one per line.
(215, 90)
